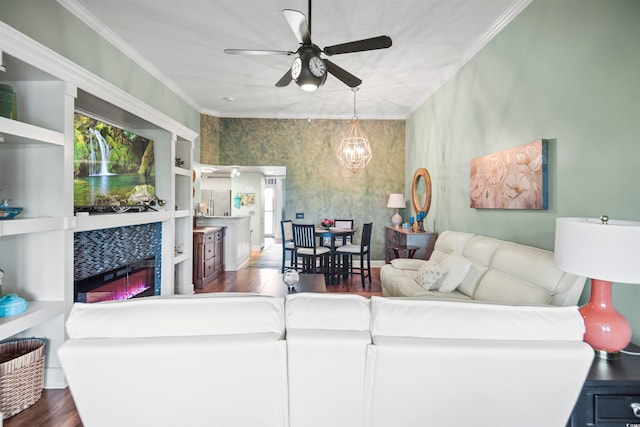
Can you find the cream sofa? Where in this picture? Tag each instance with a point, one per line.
(498, 271)
(322, 360)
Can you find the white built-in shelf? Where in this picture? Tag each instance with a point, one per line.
(100, 221)
(11, 227)
(178, 258)
(182, 213)
(37, 313)
(16, 132)
(182, 171)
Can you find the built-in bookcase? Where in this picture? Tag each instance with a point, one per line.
(36, 172)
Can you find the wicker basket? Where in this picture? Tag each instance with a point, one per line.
(21, 374)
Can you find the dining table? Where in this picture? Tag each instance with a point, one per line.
(333, 233)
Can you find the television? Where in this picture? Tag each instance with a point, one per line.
(114, 168)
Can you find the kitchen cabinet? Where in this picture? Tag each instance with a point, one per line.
(208, 255)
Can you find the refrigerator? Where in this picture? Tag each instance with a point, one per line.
(218, 202)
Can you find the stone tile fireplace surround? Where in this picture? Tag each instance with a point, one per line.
(100, 251)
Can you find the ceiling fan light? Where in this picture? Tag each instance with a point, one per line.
(309, 87)
(308, 82)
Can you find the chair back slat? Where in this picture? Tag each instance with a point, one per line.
(304, 236)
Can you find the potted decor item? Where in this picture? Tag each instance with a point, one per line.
(6, 212)
(8, 107)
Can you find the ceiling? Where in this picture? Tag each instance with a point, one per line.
(181, 42)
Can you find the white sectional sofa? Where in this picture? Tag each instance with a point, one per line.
(474, 267)
(322, 360)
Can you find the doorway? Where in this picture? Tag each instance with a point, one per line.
(269, 208)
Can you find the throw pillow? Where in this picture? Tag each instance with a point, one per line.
(457, 267)
(430, 275)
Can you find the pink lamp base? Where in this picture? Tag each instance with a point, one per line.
(606, 330)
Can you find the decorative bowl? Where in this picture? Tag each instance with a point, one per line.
(12, 304)
(9, 213)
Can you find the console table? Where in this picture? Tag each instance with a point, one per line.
(397, 237)
(609, 391)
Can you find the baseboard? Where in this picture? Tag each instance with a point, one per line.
(54, 378)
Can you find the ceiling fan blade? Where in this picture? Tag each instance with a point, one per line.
(285, 80)
(299, 26)
(257, 52)
(380, 42)
(342, 75)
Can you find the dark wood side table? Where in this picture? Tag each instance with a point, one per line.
(394, 236)
(611, 388)
(399, 250)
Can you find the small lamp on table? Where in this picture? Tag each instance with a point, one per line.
(605, 251)
(396, 201)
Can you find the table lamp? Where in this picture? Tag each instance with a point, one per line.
(605, 251)
(396, 201)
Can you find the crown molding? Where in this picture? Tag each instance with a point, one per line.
(16, 44)
(96, 25)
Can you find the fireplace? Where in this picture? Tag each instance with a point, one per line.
(133, 280)
(117, 263)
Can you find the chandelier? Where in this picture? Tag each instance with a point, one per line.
(354, 151)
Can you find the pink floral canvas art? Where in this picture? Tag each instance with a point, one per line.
(515, 178)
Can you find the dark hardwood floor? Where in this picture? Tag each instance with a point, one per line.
(56, 407)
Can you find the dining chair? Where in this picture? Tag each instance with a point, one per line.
(304, 239)
(339, 223)
(287, 242)
(348, 251)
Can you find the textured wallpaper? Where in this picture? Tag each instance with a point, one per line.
(316, 183)
(209, 140)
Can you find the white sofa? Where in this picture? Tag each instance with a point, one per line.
(322, 360)
(498, 271)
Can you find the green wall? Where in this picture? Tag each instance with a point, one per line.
(562, 70)
(49, 23)
(316, 183)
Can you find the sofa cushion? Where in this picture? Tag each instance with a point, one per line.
(480, 251)
(192, 315)
(327, 311)
(449, 242)
(457, 268)
(430, 275)
(407, 263)
(423, 318)
(499, 287)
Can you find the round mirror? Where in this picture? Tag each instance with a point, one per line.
(421, 191)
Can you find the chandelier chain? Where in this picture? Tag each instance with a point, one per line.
(355, 90)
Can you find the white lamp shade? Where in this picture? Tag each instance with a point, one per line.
(587, 247)
(396, 201)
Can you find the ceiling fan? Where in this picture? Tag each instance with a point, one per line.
(309, 70)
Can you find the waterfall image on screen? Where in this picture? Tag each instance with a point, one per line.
(112, 166)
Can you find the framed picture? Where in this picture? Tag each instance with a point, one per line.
(247, 199)
(515, 178)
